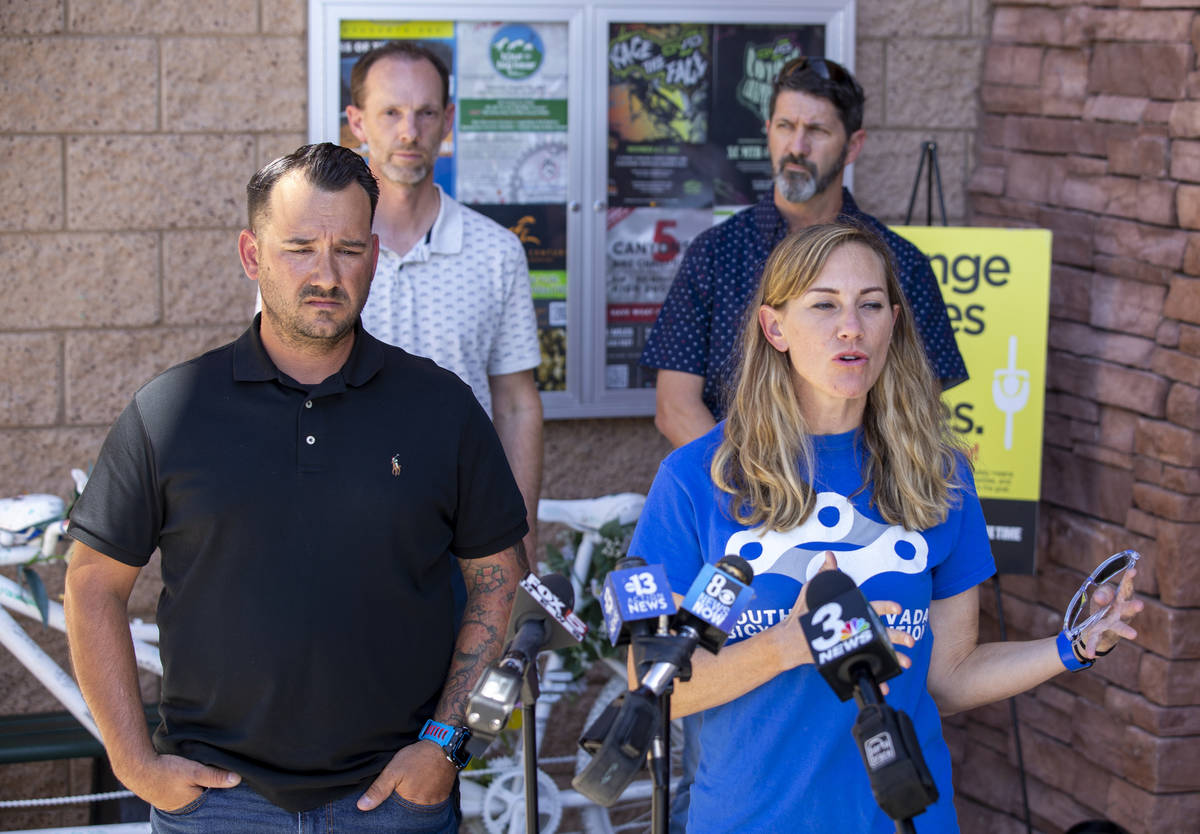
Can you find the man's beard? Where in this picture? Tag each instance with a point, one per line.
(796, 187)
(295, 327)
(403, 174)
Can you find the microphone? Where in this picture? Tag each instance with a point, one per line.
(625, 731)
(844, 632)
(851, 650)
(635, 596)
(541, 620)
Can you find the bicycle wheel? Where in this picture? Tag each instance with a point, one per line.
(631, 813)
(503, 807)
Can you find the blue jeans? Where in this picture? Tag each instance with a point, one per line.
(239, 810)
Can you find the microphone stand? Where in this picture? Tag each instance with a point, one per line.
(651, 649)
(529, 696)
(660, 768)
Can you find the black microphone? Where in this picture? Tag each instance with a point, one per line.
(541, 620)
(622, 735)
(851, 649)
(843, 631)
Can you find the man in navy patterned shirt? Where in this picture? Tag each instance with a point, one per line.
(814, 130)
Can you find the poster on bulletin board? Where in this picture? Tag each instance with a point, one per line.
(506, 154)
(674, 167)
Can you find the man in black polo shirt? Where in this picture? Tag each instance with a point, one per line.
(307, 486)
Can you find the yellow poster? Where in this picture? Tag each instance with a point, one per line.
(996, 285)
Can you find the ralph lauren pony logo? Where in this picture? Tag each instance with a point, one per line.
(396, 464)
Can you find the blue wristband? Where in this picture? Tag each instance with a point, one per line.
(1067, 654)
(452, 740)
(437, 732)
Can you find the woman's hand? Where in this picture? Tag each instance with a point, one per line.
(795, 647)
(1101, 636)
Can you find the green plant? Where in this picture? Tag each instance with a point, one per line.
(613, 545)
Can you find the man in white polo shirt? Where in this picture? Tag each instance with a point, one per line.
(451, 284)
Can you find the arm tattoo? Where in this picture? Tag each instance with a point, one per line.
(491, 588)
(488, 578)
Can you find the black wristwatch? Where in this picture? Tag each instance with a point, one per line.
(452, 740)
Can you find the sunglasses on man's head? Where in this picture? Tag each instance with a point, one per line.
(823, 68)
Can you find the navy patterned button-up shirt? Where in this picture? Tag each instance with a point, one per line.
(702, 318)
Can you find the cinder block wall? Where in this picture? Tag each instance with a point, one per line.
(1089, 127)
(127, 133)
(128, 129)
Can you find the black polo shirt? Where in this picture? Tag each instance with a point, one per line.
(307, 539)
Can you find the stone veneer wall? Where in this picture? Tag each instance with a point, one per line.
(1090, 127)
(128, 129)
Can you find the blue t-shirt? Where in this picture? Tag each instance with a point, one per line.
(781, 757)
(701, 320)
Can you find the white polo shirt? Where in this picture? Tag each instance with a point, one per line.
(460, 297)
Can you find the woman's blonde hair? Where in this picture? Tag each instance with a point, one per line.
(765, 460)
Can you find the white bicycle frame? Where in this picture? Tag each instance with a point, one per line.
(504, 795)
(506, 791)
(42, 547)
(44, 668)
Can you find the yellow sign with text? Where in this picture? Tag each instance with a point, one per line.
(395, 30)
(996, 285)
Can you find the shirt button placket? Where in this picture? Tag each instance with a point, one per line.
(309, 430)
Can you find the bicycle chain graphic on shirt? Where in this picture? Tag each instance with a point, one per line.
(833, 524)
